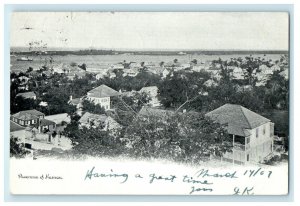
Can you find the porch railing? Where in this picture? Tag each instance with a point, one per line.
(239, 146)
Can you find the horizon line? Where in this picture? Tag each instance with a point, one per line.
(149, 49)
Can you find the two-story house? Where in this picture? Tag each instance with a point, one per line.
(101, 95)
(252, 134)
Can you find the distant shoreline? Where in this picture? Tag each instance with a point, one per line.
(129, 52)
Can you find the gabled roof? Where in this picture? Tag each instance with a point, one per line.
(75, 101)
(28, 114)
(131, 70)
(238, 118)
(92, 117)
(26, 95)
(46, 122)
(15, 127)
(149, 89)
(158, 70)
(59, 118)
(103, 91)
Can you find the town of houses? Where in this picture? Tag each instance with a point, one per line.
(252, 134)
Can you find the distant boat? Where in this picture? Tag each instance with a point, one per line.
(182, 53)
(24, 59)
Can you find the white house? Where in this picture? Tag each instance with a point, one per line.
(216, 73)
(98, 68)
(252, 134)
(167, 72)
(102, 73)
(117, 66)
(101, 95)
(237, 73)
(265, 70)
(78, 103)
(111, 74)
(91, 120)
(198, 68)
(275, 67)
(33, 118)
(285, 74)
(210, 83)
(157, 70)
(130, 72)
(59, 119)
(134, 65)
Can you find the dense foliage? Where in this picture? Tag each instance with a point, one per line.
(17, 149)
(188, 137)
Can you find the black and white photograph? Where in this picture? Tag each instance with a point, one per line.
(149, 103)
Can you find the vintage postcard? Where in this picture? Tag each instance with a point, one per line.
(155, 103)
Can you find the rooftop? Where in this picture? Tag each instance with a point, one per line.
(90, 116)
(59, 118)
(103, 91)
(149, 89)
(26, 94)
(28, 114)
(238, 118)
(15, 127)
(46, 122)
(75, 101)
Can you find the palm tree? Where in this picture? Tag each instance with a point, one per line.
(194, 61)
(161, 64)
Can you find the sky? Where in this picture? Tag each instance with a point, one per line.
(152, 30)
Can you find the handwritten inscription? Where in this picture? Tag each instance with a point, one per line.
(199, 189)
(206, 173)
(201, 182)
(257, 172)
(156, 177)
(91, 174)
(245, 191)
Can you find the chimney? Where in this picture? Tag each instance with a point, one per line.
(184, 111)
(71, 97)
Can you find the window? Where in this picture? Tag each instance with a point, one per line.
(247, 140)
(248, 157)
(264, 129)
(271, 148)
(271, 129)
(257, 132)
(33, 122)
